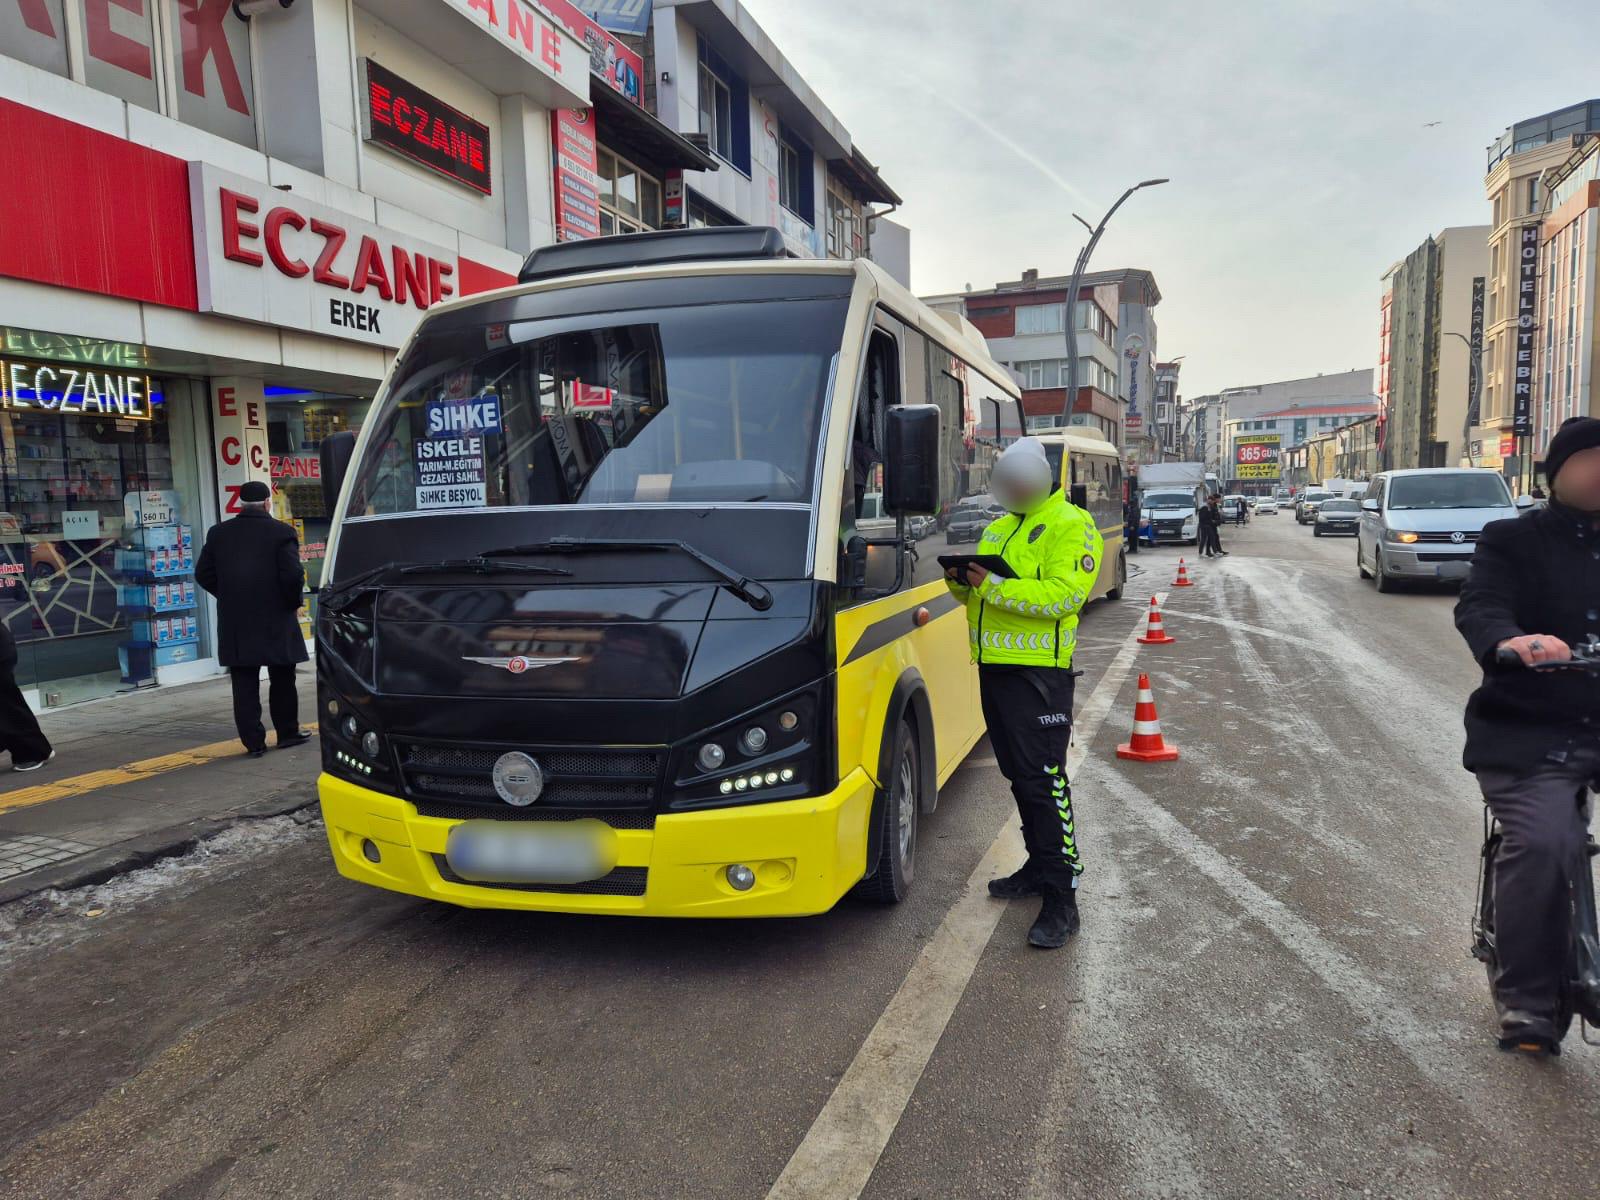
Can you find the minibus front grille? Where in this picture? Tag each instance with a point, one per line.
(505, 812)
(622, 881)
(577, 780)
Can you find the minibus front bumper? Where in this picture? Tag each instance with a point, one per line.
(804, 855)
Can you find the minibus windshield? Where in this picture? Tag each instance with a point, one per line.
(711, 403)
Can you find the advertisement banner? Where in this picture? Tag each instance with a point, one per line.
(609, 57)
(1256, 456)
(577, 183)
(621, 16)
(1527, 324)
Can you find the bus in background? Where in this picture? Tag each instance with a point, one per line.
(620, 612)
(1090, 470)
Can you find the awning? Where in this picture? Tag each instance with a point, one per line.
(862, 178)
(636, 133)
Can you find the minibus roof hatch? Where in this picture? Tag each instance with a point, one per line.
(655, 248)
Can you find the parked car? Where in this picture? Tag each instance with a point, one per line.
(1266, 506)
(969, 518)
(1305, 509)
(1413, 522)
(1232, 504)
(1337, 516)
(921, 526)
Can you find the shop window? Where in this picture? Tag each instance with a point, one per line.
(212, 82)
(40, 39)
(297, 422)
(97, 529)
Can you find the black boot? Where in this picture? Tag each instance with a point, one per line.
(1015, 886)
(1058, 919)
(1528, 1033)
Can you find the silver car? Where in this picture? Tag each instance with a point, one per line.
(1413, 522)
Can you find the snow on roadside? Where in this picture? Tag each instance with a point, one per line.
(56, 918)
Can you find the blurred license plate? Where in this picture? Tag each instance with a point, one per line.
(495, 852)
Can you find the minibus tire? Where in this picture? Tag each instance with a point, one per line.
(1122, 578)
(891, 876)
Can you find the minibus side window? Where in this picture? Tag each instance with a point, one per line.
(861, 508)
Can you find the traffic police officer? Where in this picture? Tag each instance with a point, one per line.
(1022, 632)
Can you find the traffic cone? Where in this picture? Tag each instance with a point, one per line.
(1154, 633)
(1146, 744)
(1183, 579)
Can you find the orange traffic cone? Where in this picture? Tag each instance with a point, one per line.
(1154, 633)
(1183, 579)
(1146, 744)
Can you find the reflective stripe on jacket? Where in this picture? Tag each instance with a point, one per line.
(1032, 620)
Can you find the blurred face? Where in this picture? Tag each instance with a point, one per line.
(1019, 483)
(1577, 484)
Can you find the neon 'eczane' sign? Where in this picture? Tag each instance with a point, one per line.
(75, 391)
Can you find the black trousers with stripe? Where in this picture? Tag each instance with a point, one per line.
(1029, 714)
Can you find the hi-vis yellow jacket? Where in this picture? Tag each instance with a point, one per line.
(1032, 620)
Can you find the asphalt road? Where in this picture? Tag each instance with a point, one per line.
(1271, 994)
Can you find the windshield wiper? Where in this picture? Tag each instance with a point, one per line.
(753, 593)
(336, 597)
(479, 564)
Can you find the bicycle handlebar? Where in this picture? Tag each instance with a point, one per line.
(1583, 659)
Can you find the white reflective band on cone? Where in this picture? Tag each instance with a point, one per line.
(1147, 726)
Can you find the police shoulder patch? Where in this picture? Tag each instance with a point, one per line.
(1087, 562)
(1035, 533)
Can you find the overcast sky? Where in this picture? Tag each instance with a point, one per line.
(1293, 132)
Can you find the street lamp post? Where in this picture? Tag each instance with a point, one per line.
(1474, 381)
(1071, 306)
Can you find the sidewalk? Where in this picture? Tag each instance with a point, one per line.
(139, 777)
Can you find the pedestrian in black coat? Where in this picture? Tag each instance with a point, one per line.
(251, 564)
(19, 728)
(1533, 738)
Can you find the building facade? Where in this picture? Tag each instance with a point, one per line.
(217, 230)
(787, 160)
(1426, 365)
(1024, 323)
(1168, 412)
(1569, 248)
(1513, 185)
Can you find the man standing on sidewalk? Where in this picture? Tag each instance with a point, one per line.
(251, 564)
(19, 728)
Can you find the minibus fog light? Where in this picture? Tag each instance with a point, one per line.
(370, 744)
(369, 850)
(740, 877)
(711, 756)
(754, 740)
(789, 721)
(351, 729)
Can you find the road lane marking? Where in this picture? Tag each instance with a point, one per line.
(839, 1152)
(93, 781)
(1259, 630)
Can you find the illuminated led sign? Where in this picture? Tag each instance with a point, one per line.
(74, 391)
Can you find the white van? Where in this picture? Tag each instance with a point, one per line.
(1413, 522)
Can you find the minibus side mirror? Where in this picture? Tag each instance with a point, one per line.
(335, 452)
(855, 563)
(1080, 495)
(911, 460)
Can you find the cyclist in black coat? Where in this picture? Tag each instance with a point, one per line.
(1533, 738)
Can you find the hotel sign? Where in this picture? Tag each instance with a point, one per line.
(1527, 326)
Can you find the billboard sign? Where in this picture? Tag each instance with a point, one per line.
(1256, 456)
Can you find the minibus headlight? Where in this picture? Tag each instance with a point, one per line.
(753, 740)
(711, 757)
(773, 754)
(370, 744)
(352, 731)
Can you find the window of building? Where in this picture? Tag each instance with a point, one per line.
(716, 113)
(844, 224)
(630, 200)
(1533, 193)
(1040, 318)
(724, 100)
(796, 189)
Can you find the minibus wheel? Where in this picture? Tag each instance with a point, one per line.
(1122, 578)
(891, 877)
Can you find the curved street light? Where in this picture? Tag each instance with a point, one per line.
(1071, 306)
